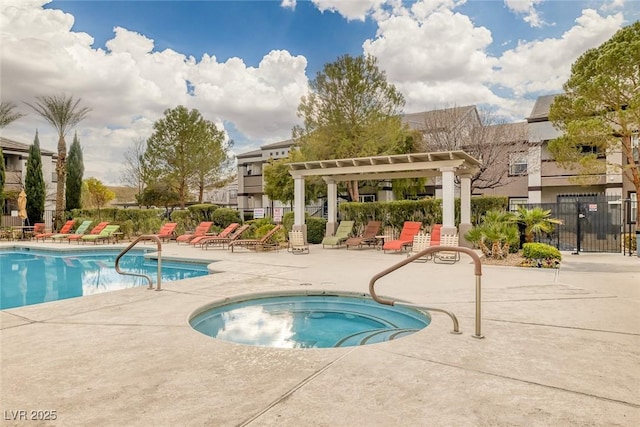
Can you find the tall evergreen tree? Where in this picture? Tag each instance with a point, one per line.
(34, 184)
(75, 172)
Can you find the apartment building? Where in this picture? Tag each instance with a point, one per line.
(15, 165)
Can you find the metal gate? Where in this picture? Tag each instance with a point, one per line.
(590, 223)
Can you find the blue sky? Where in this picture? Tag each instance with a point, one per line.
(245, 64)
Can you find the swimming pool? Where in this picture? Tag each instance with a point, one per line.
(34, 276)
(307, 321)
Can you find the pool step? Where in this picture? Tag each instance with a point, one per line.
(374, 336)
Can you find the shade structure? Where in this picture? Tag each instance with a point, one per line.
(22, 205)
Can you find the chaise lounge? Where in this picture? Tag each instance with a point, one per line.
(340, 236)
(368, 237)
(223, 241)
(409, 229)
(263, 242)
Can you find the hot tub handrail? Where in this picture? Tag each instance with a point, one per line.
(427, 251)
(154, 238)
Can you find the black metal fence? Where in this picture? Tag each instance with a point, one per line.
(590, 223)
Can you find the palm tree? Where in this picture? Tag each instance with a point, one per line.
(63, 113)
(536, 221)
(7, 115)
(495, 234)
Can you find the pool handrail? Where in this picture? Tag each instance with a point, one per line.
(422, 253)
(131, 245)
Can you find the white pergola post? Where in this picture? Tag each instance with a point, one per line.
(465, 210)
(298, 204)
(332, 206)
(448, 201)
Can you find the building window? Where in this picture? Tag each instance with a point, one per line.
(517, 164)
(367, 198)
(634, 207)
(516, 202)
(635, 146)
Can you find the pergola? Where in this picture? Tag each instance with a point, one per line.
(446, 164)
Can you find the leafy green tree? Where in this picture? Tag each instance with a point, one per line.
(211, 163)
(352, 111)
(7, 113)
(75, 172)
(160, 194)
(2, 180)
(63, 113)
(98, 194)
(176, 147)
(599, 111)
(34, 183)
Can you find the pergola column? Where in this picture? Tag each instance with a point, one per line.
(465, 210)
(332, 206)
(448, 201)
(298, 205)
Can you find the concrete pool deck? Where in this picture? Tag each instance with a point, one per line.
(559, 350)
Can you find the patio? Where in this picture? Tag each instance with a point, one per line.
(558, 350)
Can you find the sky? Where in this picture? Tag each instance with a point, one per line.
(245, 64)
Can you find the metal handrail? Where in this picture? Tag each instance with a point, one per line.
(427, 251)
(128, 248)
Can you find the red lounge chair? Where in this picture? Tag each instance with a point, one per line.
(95, 230)
(435, 234)
(223, 234)
(167, 231)
(409, 229)
(200, 230)
(66, 228)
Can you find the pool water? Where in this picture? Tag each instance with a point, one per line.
(33, 277)
(309, 321)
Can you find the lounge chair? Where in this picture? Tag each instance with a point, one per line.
(200, 230)
(95, 230)
(82, 228)
(297, 245)
(340, 236)
(167, 231)
(368, 237)
(263, 242)
(223, 234)
(409, 229)
(420, 243)
(447, 257)
(105, 234)
(223, 241)
(66, 228)
(435, 234)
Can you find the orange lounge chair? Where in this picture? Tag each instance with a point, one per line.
(368, 237)
(222, 241)
(257, 243)
(409, 229)
(95, 230)
(66, 228)
(167, 231)
(223, 234)
(435, 234)
(200, 230)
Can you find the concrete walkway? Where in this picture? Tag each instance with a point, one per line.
(559, 350)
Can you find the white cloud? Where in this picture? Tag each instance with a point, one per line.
(129, 85)
(527, 8)
(352, 9)
(612, 5)
(544, 65)
(291, 4)
(434, 55)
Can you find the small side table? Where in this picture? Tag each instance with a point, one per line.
(380, 241)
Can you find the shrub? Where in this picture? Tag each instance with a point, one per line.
(222, 217)
(287, 221)
(496, 235)
(541, 255)
(630, 242)
(316, 228)
(202, 212)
